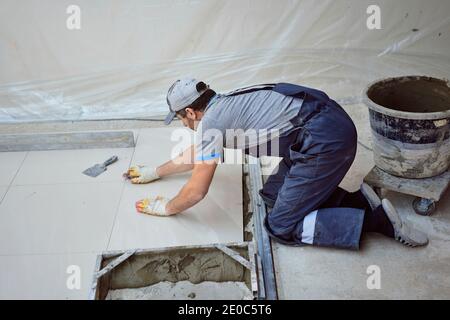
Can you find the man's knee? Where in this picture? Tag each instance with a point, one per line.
(282, 226)
(283, 234)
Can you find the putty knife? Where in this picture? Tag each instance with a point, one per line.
(99, 167)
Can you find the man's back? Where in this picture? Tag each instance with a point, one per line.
(254, 113)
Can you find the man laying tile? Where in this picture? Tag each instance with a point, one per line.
(316, 140)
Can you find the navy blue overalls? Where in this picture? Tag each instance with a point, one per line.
(307, 202)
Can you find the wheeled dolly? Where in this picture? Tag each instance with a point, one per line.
(428, 191)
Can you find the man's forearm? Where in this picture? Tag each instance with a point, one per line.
(170, 167)
(195, 189)
(186, 199)
(180, 164)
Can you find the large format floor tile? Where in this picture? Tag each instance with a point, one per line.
(66, 166)
(3, 190)
(158, 145)
(10, 163)
(46, 276)
(58, 218)
(217, 218)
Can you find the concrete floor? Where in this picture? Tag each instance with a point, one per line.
(53, 217)
(405, 273)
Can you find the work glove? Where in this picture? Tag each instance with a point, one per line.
(155, 206)
(141, 174)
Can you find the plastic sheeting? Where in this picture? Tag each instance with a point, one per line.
(127, 53)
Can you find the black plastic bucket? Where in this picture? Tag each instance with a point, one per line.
(410, 123)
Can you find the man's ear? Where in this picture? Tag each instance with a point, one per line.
(190, 114)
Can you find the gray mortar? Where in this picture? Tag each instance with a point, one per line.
(194, 266)
(247, 210)
(410, 97)
(185, 290)
(412, 94)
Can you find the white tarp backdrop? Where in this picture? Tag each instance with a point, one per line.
(125, 55)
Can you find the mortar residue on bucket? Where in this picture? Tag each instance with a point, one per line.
(410, 122)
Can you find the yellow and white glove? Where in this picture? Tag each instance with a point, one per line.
(155, 206)
(141, 174)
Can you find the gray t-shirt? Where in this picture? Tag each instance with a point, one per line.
(243, 121)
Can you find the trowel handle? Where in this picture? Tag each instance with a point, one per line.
(110, 161)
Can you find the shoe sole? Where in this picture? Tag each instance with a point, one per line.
(397, 223)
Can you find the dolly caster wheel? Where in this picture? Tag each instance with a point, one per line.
(424, 207)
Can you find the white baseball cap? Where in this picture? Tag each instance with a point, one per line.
(180, 95)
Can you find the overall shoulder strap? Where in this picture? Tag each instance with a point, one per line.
(287, 89)
(294, 90)
(249, 89)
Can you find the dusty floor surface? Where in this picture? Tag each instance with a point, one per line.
(185, 290)
(405, 273)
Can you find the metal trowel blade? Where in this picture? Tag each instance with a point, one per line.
(95, 170)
